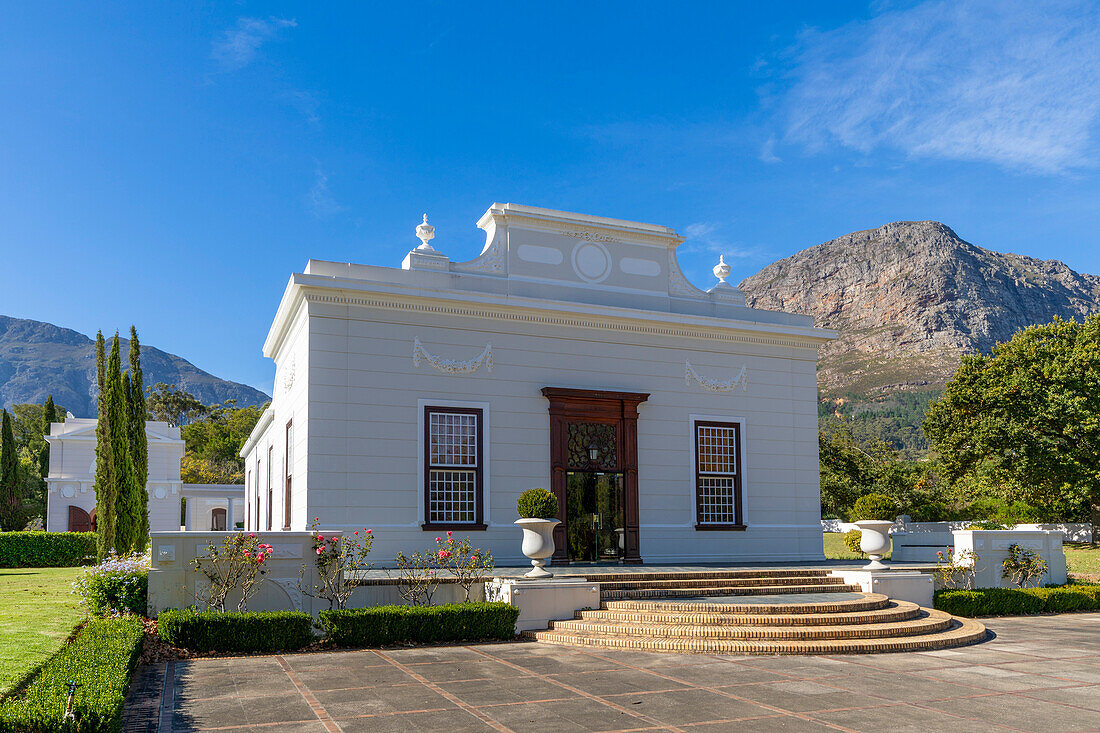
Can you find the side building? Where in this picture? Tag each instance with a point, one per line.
(674, 424)
(70, 485)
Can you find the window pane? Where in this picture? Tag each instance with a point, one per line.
(716, 500)
(451, 496)
(453, 439)
(717, 449)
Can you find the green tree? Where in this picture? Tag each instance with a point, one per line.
(11, 499)
(127, 504)
(105, 479)
(174, 406)
(214, 443)
(846, 469)
(1023, 422)
(139, 449)
(49, 416)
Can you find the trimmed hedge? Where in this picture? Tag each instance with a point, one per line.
(1018, 601)
(392, 624)
(101, 658)
(251, 631)
(46, 549)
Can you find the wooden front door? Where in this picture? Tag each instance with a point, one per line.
(594, 440)
(79, 520)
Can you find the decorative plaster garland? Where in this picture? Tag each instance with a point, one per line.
(452, 366)
(715, 385)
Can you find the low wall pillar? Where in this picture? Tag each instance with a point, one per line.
(542, 601)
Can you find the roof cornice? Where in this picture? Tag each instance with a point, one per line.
(324, 289)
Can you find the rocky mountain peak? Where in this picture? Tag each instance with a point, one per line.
(910, 297)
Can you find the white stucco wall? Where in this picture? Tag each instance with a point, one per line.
(72, 472)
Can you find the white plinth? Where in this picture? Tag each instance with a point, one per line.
(902, 585)
(542, 601)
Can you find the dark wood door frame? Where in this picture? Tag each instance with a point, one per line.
(584, 405)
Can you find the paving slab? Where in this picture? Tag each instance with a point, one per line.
(1037, 674)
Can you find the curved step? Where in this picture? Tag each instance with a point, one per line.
(925, 623)
(764, 590)
(892, 613)
(866, 602)
(959, 633)
(613, 577)
(765, 581)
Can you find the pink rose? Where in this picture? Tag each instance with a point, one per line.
(449, 533)
(368, 531)
(318, 550)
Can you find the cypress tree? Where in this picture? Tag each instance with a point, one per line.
(49, 415)
(11, 503)
(122, 467)
(105, 495)
(139, 449)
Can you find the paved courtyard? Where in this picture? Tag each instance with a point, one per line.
(1038, 674)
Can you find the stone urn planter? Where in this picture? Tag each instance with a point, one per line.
(874, 541)
(538, 544)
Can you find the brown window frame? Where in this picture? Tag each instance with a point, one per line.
(479, 471)
(270, 488)
(289, 473)
(739, 524)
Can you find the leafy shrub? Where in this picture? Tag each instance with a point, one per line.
(339, 561)
(851, 540)
(537, 504)
(391, 624)
(1023, 566)
(46, 549)
(116, 585)
(251, 631)
(238, 563)
(101, 658)
(468, 565)
(933, 511)
(1018, 601)
(874, 506)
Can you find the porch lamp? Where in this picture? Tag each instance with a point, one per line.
(593, 452)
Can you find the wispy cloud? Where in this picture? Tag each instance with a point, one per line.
(705, 237)
(239, 46)
(320, 201)
(307, 105)
(1010, 82)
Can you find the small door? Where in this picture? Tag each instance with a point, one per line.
(217, 519)
(595, 516)
(79, 520)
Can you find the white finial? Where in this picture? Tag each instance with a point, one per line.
(425, 231)
(721, 270)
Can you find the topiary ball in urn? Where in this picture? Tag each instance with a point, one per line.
(537, 509)
(873, 514)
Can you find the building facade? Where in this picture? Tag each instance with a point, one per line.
(673, 424)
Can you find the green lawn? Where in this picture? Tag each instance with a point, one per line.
(1083, 559)
(37, 613)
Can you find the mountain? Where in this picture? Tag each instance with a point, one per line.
(910, 297)
(39, 359)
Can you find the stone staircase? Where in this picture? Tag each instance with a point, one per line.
(779, 612)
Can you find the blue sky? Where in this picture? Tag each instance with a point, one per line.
(170, 166)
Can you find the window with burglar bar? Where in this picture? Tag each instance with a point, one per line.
(453, 466)
(717, 475)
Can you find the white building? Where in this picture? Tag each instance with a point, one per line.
(71, 482)
(674, 424)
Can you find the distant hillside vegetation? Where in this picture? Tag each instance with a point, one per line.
(38, 359)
